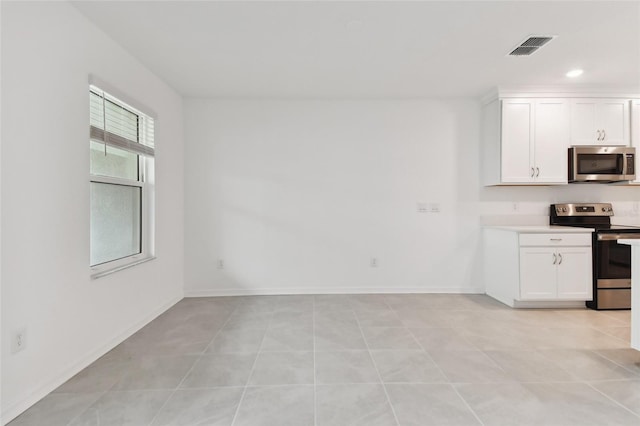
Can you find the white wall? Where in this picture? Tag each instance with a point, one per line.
(48, 51)
(297, 196)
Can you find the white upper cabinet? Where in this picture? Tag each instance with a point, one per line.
(534, 141)
(526, 136)
(551, 135)
(517, 141)
(600, 122)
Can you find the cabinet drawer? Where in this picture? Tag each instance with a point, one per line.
(555, 239)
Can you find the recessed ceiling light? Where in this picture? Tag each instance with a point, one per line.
(574, 73)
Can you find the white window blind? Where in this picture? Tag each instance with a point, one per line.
(119, 126)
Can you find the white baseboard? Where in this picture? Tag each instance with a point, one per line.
(326, 290)
(50, 384)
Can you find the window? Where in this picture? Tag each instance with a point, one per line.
(121, 184)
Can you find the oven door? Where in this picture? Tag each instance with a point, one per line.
(613, 260)
(612, 279)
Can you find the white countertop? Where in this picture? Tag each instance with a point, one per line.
(544, 229)
(630, 242)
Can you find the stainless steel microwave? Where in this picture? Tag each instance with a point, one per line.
(601, 163)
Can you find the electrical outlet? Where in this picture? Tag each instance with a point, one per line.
(515, 207)
(434, 208)
(19, 341)
(374, 262)
(220, 264)
(423, 208)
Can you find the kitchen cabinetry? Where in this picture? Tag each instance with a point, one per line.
(600, 121)
(526, 135)
(533, 141)
(531, 269)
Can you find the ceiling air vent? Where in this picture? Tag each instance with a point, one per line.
(530, 45)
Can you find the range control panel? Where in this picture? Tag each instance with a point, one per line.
(574, 209)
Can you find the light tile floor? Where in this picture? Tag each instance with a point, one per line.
(373, 360)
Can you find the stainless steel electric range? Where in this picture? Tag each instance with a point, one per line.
(611, 261)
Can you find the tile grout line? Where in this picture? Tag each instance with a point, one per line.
(384, 387)
(577, 377)
(98, 399)
(450, 383)
(86, 409)
(204, 351)
(611, 399)
(594, 351)
(626, 341)
(253, 367)
(467, 404)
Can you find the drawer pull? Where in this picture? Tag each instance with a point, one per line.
(555, 239)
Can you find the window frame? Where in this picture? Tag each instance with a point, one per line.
(145, 182)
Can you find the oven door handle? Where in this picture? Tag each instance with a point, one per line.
(613, 237)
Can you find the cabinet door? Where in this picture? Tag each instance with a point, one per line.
(538, 273)
(575, 277)
(635, 132)
(551, 140)
(584, 123)
(517, 134)
(613, 118)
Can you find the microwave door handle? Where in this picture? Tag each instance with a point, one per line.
(620, 236)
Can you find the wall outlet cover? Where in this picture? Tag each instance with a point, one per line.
(18, 340)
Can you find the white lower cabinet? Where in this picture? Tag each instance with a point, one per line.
(560, 273)
(538, 275)
(537, 269)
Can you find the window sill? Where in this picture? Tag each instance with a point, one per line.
(105, 272)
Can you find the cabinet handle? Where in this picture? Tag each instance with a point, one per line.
(537, 171)
(532, 172)
(599, 135)
(604, 135)
(555, 258)
(560, 256)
